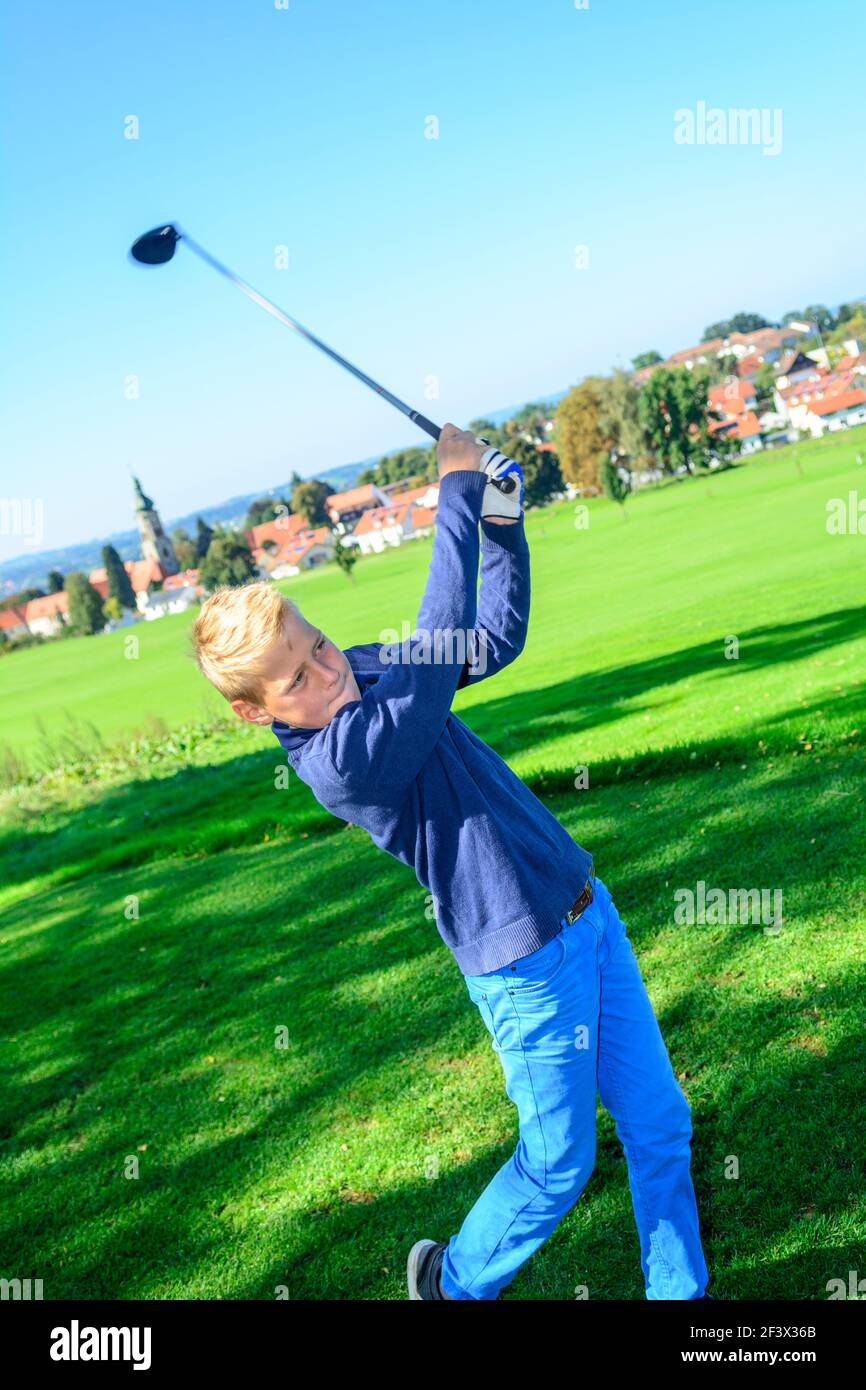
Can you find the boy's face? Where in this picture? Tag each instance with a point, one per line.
(305, 680)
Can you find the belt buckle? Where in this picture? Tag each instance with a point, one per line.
(581, 902)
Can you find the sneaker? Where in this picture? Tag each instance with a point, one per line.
(422, 1271)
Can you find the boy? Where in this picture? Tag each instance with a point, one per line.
(543, 952)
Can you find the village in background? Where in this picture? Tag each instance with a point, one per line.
(748, 386)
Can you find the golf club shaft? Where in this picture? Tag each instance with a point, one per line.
(420, 420)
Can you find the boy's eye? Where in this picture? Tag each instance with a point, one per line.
(300, 676)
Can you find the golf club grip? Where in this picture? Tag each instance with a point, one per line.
(424, 424)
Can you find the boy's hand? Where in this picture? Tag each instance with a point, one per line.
(457, 449)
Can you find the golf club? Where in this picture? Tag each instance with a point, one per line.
(158, 246)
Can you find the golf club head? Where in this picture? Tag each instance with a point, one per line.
(156, 246)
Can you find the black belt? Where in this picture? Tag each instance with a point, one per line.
(582, 901)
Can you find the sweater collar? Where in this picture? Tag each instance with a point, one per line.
(292, 736)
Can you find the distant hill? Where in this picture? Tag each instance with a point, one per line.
(31, 571)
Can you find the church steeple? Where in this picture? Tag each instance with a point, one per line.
(155, 544)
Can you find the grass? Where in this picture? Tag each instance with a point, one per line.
(213, 984)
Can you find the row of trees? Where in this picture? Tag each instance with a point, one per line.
(606, 426)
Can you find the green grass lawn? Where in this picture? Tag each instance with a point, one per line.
(160, 925)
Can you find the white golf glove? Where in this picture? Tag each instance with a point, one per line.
(503, 495)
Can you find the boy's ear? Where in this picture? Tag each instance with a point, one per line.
(254, 714)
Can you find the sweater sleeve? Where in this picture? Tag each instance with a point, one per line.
(382, 741)
(503, 603)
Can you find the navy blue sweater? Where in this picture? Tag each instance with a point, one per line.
(501, 869)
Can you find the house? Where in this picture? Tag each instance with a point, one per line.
(280, 530)
(13, 622)
(744, 427)
(748, 432)
(794, 367)
(312, 547)
(732, 397)
(690, 357)
(141, 573)
(795, 401)
(391, 525)
(426, 495)
(837, 411)
(767, 344)
(47, 615)
(288, 544)
(346, 508)
(179, 592)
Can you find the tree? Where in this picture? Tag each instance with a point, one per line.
(646, 359)
(740, 323)
(673, 411)
(346, 556)
(308, 499)
(579, 436)
(495, 434)
(203, 538)
(542, 475)
(718, 369)
(55, 582)
(763, 381)
(185, 548)
(18, 600)
(401, 466)
(85, 604)
(615, 480)
(852, 326)
(119, 585)
(229, 561)
(618, 416)
(820, 315)
(266, 509)
(531, 419)
(111, 609)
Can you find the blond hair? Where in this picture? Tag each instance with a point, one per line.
(234, 630)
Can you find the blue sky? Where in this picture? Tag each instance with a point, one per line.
(450, 259)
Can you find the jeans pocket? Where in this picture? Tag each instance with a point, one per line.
(540, 968)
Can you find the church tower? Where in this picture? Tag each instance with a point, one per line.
(155, 544)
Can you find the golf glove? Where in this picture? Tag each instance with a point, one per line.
(503, 495)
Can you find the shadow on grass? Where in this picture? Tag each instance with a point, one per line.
(245, 1182)
(204, 809)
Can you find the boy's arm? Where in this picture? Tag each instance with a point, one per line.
(380, 742)
(503, 603)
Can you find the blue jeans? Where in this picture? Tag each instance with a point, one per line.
(571, 1018)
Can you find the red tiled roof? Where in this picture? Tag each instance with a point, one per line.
(140, 572)
(411, 494)
(293, 550)
(180, 581)
(385, 516)
(281, 529)
(11, 617)
(712, 345)
(751, 363)
(730, 391)
(351, 500)
(843, 400)
(47, 607)
(748, 426)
